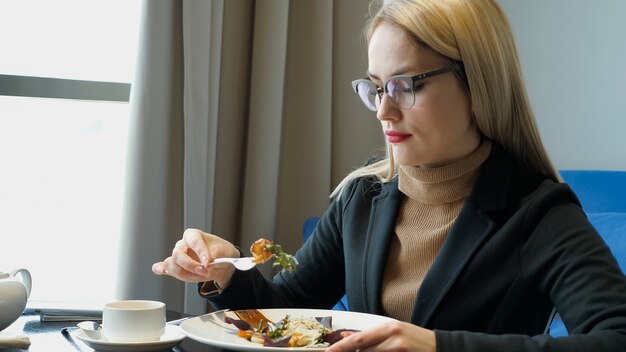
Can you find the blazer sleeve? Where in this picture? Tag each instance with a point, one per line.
(318, 281)
(572, 265)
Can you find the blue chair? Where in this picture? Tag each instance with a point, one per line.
(603, 197)
(598, 191)
(307, 230)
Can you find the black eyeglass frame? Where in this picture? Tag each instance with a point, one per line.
(410, 80)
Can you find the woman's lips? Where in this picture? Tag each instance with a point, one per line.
(396, 137)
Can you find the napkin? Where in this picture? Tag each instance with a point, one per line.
(9, 339)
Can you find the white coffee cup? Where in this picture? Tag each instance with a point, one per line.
(133, 320)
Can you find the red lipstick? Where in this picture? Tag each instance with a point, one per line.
(396, 137)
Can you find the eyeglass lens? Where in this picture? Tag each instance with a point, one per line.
(368, 93)
(399, 91)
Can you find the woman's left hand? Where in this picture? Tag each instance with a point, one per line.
(391, 336)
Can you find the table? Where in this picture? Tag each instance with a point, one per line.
(47, 337)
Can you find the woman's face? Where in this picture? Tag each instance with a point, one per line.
(438, 128)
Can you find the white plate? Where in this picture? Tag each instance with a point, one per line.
(172, 336)
(209, 330)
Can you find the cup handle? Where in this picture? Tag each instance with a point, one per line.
(25, 278)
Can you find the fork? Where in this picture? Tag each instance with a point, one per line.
(244, 263)
(218, 318)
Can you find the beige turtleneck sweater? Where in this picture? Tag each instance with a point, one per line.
(434, 197)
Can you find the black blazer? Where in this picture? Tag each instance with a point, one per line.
(520, 246)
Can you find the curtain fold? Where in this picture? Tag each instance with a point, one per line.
(152, 218)
(265, 133)
(235, 127)
(202, 31)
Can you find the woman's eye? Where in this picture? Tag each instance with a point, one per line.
(418, 87)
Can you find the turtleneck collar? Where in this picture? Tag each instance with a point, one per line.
(444, 184)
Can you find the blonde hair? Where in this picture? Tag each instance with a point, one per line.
(477, 33)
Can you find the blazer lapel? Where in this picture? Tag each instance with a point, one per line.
(471, 228)
(384, 213)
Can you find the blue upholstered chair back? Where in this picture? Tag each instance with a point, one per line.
(598, 191)
(603, 197)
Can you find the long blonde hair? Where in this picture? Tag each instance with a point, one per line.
(477, 33)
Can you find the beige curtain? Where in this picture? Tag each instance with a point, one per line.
(242, 122)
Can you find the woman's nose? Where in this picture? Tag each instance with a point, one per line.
(387, 110)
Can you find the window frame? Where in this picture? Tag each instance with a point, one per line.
(59, 88)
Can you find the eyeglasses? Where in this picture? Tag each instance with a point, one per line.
(400, 89)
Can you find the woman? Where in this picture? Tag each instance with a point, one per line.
(463, 233)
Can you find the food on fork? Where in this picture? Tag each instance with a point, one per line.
(263, 250)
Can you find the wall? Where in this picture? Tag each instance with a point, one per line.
(572, 54)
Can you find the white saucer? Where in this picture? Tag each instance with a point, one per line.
(172, 336)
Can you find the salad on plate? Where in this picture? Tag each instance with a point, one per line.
(290, 331)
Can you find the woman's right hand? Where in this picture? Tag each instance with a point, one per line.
(191, 256)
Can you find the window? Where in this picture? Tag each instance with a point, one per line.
(65, 74)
